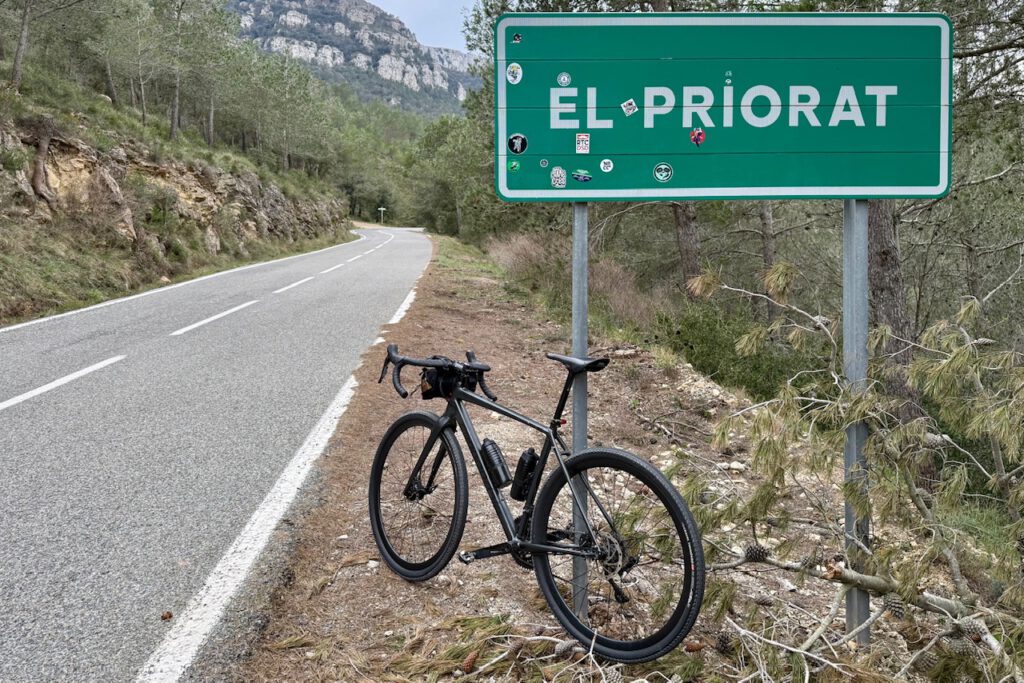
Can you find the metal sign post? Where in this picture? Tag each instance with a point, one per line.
(382, 210)
(855, 366)
(580, 334)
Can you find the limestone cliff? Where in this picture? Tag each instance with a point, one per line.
(357, 42)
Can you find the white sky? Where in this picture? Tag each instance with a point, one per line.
(437, 23)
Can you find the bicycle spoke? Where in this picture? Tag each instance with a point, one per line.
(416, 527)
(638, 578)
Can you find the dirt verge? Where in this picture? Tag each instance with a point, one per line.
(342, 615)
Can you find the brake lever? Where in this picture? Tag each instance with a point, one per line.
(384, 370)
(471, 357)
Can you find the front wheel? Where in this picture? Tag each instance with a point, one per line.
(638, 591)
(418, 496)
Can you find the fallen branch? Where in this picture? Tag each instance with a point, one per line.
(920, 653)
(789, 648)
(866, 625)
(827, 621)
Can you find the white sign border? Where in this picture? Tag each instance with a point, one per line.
(796, 192)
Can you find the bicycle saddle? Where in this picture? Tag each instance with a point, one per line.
(578, 365)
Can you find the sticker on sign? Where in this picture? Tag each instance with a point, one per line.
(737, 105)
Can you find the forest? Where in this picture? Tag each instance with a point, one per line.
(181, 68)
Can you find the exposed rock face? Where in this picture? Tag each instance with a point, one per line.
(307, 51)
(293, 19)
(89, 184)
(348, 36)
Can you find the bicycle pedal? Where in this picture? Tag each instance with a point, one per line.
(466, 557)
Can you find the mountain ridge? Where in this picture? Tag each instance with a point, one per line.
(356, 42)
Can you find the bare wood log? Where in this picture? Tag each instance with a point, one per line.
(43, 135)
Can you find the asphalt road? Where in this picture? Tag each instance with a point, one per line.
(135, 445)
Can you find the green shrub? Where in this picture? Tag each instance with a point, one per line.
(706, 335)
(13, 160)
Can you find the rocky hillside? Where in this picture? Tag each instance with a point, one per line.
(72, 176)
(361, 44)
(81, 222)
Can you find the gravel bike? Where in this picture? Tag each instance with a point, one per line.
(615, 550)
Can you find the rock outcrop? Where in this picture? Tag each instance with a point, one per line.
(121, 189)
(343, 37)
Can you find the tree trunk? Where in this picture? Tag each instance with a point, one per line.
(767, 218)
(111, 88)
(687, 239)
(135, 95)
(245, 144)
(885, 272)
(209, 123)
(40, 182)
(176, 99)
(19, 53)
(142, 99)
(973, 274)
(889, 307)
(176, 103)
(3, 48)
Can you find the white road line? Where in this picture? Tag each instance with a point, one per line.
(400, 313)
(390, 237)
(294, 284)
(11, 328)
(58, 382)
(357, 256)
(183, 641)
(212, 318)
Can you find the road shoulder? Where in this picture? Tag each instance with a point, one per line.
(340, 614)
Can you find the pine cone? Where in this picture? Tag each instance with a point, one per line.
(1020, 545)
(755, 552)
(959, 647)
(470, 662)
(763, 600)
(894, 605)
(972, 628)
(564, 646)
(694, 645)
(515, 647)
(613, 676)
(725, 643)
(811, 561)
(926, 662)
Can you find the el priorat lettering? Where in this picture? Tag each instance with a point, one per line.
(697, 103)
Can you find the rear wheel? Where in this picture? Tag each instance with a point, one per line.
(643, 584)
(418, 504)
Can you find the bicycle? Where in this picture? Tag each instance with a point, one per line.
(613, 545)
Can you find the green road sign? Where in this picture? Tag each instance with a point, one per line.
(707, 106)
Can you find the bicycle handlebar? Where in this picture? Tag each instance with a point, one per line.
(471, 357)
(400, 361)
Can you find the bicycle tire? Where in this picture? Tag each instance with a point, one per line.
(417, 534)
(674, 571)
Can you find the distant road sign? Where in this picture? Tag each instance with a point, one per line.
(705, 106)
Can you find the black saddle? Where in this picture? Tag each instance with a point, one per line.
(578, 365)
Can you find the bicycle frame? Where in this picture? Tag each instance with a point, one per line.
(456, 416)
